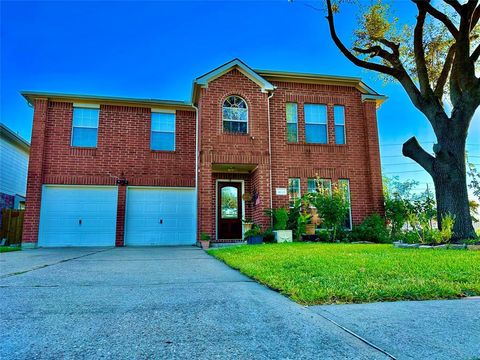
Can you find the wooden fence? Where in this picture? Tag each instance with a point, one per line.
(12, 225)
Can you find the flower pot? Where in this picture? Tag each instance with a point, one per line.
(282, 236)
(254, 240)
(247, 226)
(205, 244)
(310, 229)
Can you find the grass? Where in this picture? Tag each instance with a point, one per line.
(353, 273)
(9, 249)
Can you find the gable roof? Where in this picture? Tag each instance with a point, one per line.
(262, 77)
(203, 80)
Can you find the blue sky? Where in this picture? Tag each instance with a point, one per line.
(156, 49)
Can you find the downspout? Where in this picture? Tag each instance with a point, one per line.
(270, 154)
(196, 171)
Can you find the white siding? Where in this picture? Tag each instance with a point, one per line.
(13, 169)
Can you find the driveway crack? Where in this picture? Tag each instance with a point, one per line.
(52, 264)
(354, 334)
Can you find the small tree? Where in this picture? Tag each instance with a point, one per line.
(332, 207)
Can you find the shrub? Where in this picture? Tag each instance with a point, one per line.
(332, 207)
(205, 237)
(254, 231)
(372, 229)
(408, 237)
(268, 236)
(280, 219)
(323, 235)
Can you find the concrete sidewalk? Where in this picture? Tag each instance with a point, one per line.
(443, 329)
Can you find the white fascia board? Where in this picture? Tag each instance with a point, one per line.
(244, 69)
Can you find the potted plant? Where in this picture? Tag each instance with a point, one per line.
(205, 240)
(247, 224)
(280, 220)
(254, 235)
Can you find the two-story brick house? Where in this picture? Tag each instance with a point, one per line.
(121, 171)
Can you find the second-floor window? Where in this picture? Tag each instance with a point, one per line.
(162, 135)
(292, 122)
(339, 117)
(85, 127)
(235, 115)
(316, 123)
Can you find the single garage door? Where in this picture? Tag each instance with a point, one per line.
(160, 216)
(78, 216)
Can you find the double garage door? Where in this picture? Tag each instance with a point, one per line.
(87, 216)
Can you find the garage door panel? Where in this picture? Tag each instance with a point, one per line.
(160, 216)
(78, 216)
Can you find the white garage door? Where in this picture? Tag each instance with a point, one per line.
(160, 216)
(78, 216)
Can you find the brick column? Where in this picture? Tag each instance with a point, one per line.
(35, 175)
(206, 200)
(120, 228)
(374, 157)
(261, 183)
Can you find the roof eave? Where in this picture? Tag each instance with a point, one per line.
(15, 138)
(30, 96)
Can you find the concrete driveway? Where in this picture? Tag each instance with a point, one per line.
(177, 302)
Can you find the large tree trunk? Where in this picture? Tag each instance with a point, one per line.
(452, 198)
(448, 171)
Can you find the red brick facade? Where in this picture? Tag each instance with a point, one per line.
(123, 150)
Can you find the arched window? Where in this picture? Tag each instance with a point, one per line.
(235, 115)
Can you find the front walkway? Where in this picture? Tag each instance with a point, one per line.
(181, 303)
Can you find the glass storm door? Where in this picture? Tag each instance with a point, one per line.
(229, 212)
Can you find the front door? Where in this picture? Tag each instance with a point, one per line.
(229, 213)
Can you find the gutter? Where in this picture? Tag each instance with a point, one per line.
(196, 169)
(270, 154)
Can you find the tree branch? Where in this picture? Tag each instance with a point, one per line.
(438, 15)
(475, 17)
(395, 47)
(454, 4)
(365, 64)
(447, 66)
(419, 51)
(380, 52)
(475, 54)
(412, 149)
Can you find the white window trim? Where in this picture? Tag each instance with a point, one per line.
(235, 120)
(343, 125)
(316, 123)
(292, 122)
(85, 127)
(164, 132)
(299, 189)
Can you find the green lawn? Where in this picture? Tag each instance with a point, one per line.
(8, 249)
(348, 273)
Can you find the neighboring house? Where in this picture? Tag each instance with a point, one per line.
(14, 153)
(122, 171)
